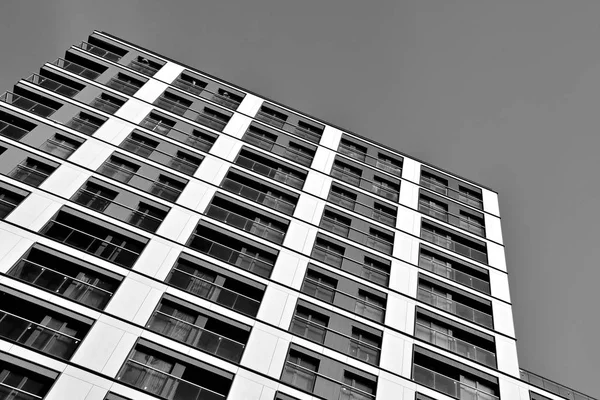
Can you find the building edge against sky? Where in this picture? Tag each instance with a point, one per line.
(165, 234)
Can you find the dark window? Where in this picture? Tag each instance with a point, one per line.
(118, 169)
(357, 386)
(19, 382)
(125, 84)
(85, 123)
(185, 163)
(94, 196)
(346, 173)
(107, 103)
(145, 66)
(227, 99)
(370, 306)
(171, 102)
(353, 150)
(271, 117)
(167, 188)
(158, 123)
(56, 83)
(342, 197)
(213, 119)
(10, 198)
(319, 286)
(14, 127)
(300, 371)
(389, 164)
(104, 49)
(140, 144)
(32, 172)
(60, 145)
(260, 138)
(328, 252)
(190, 84)
(147, 217)
(309, 324)
(386, 189)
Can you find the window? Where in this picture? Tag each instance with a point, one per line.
(336, 223)
(60, 145)
(319, 286)
(365, 346)
(147, 217)
(353, 150)
(300, 371)
(271, 117)
(369, 305)
(19, 382)
(359, 386)
(342, 197)
(470, 197)
(32, 172)
(375, 271)
(227, 99)
(190, 84)
(185, 163)
(125, 84)
(107, 103)
(119, 169)
(434, 183)
(260, 138)
(385, 188)
(201, 140)
(381, 241)
(140, 145)
(104, 49)
(171, 102)
(213, 119)
(346, 173)
(309, 324)
(433, 208)
(308, 132)
(384, 214)
(157, 123)
(14, 127)
(94, 196)
(10, 198)
(389, 164)
(144, 66)
(167, 188)
(85, 123)
(328, 253)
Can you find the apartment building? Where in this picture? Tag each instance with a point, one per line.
(167, 235)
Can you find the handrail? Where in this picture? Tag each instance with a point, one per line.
(153, 150)
(9, 203)
(287, 176)
(300, 154)
(266, 118)
(346, 294)
(430, 184)
(476, 316)
(91, 125)
(169, 128)
(76, 69)
(276, 199)
(37, 324)
(217, 285)
(35, 396)
(184, 85)
(296, 316)
(447, 213)
(95, 195)
(59, 144)
(363, 265)
(8, 124)
(451, 344)
(99, 51)
(355, 202)
(39, 80)
(360, 179)
(122, 82)
(200, 114)
(342, 384)
(139, 175)
(229, 248)
(454, 245)
(142, 68)
(350, 228)
(130, 360)
(480, 394)
(31, 170)
(385, 166)
(30, 105)
(252, 222)
(453, 273)
(67, 276)
(100, 100)
(553, 387)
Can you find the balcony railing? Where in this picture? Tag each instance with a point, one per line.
(36, 336)
(59, 149)
(61, 284)
(142, 68)
(90, 244)
(455, 194)
(12, 393)
(52, 85)
(82, 125)
(454, 307)
(162, 384)
(553, 387)
(12, 131)
(455, 345)
(337, 340)
(104, 105)
(122, 86)
(6, 207)
(442, 269)
(284, 151)
(177, 134)
(449, 386)
(327, 293)
(76, 69)
(456, 220)
(201, 91)
(337, 260)
(199, 116)
(256, 228)
(211, 121)
(359, 236)
(272, 173)
(108, 55)
(358, 181)
(142, 149)
(286, 126)
(211, 291)
(361, 208)
(364, 157)
(203, 339)
(232, 256)
(450, 244)
(28, 175)
(304, 378)
(27, 105)
(117, 210)
(189, 86)
(265, 199)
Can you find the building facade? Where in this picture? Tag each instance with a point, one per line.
(166, 235)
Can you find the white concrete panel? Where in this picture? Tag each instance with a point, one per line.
(286, 266)
(153, 256)
(98, 346)
(323, 160)
(212, 170)
(250, 105)
(300, 237)
(403, 247)
(405, 221)
(392, 352)
(65, 181)
(503, 318)
(114, 131)
(272, 305)
(391, 387)
(496, 257)
(151, 90)
(96, 393)
(169, 72)
(128, 300)
(226, 147)
(91, 154)
(279, 356)
(396, 312)
(259, 351)
(237, 125)
(245, 389)
(499, 285)
(331, 138)
(493, 228)
(408, 349)
(288, 311)
(68, 387)
(409, 195)
(490, 202)
(317, 184)
(309, 209)
(411, 170)
(178, 225)
(168, 262)
(130, 393)
(509, 389)
(134, 110)
(34, 212)
(506, 353)
(400, 276)
(94, 379)
(119, 355)
(196, 195)
(147, 307)
(12, 248)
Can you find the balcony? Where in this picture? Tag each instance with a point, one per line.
(6, 207)
(195, 336)
(59, 149)
(123, 86)
(171, 105)
(12, 131)
(449, 386)
(189, 86)
(455, 308)
(276, 174)
(67, 286)
(9, 392)
(246, 224)
(100, 52)
(76, 69)
(389, 167)
(455, 345)
(450, 244)
(257, 196)
(82, 125)
(105, 105)
(28, 174)
(463, 197)
(284, 151)
(36, 336)
(52, 85)
(553, 387)
(143, 67)
(210, 120)
(453, 219)
(297, 130)
(270, 119)
(442, 269)
(225, 100)
(385, 192)
(27, 105)
(367, 239)
(352, 152)
(211, 291)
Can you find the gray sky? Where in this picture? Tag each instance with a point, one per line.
(504, 92)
